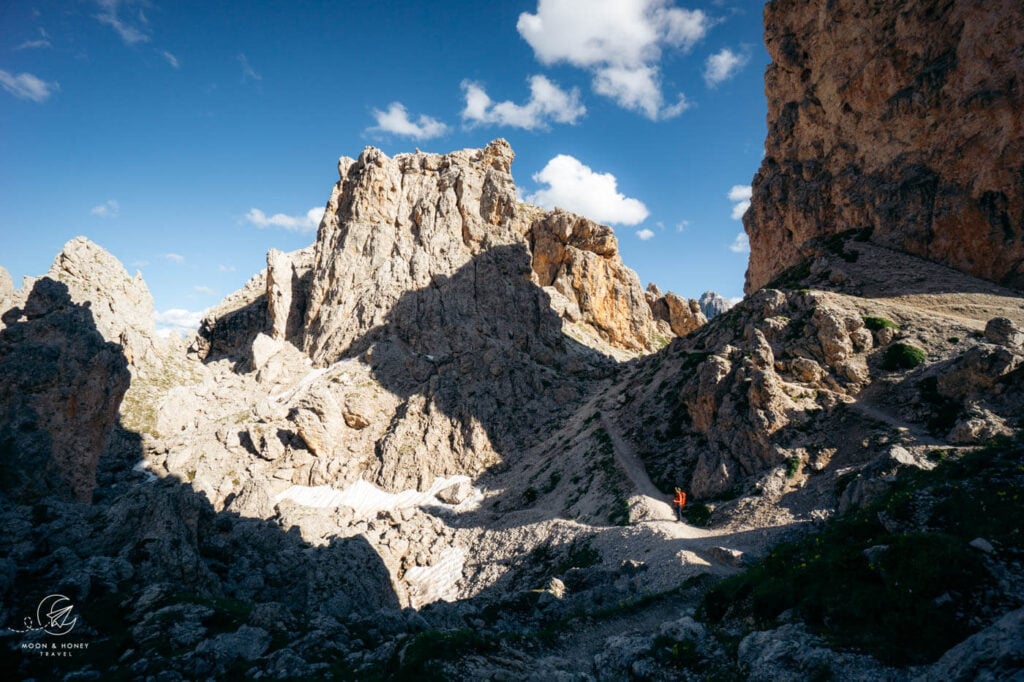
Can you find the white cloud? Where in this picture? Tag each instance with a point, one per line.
(722, 66)
(199, 289)
(112, 14)
(139, 263)
(547, 102)
(177, 321)
(740, 196)
(645, 234)
(27, 86)
(225, 268)
(34, 44)
(170, 58)
(108, 209)
(248, 73)
(174, 257)
(575, 187)
(397, 122)
(306, 223)
(682, 225)
(741, 244)
(43, 41)
(619, 41)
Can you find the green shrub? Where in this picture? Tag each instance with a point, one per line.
(698, 514)
(902, 356)
(792, 466)
(877, 323)
(674, 653)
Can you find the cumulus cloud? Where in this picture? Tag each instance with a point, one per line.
(305, 223)
(177, 321)
(619, 41)
(722, 66)
(682, 225)
(395, 120)
(174, 257)
(108, 209)
(125, 18)
(248, 73)
(741, 244)
(547, 102)
(27, 86)
(200, 289)
(645, 234)
(575, 187)
(740, 196)
(170, 58)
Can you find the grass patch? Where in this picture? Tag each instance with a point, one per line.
(905, 598)
(902, 356)
(878, 323)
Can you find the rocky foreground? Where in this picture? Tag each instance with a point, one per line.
(440, 441)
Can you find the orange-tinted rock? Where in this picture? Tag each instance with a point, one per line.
(904, 118)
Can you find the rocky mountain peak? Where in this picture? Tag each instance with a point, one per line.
(712, 304)
(120, 303)
(394, 225)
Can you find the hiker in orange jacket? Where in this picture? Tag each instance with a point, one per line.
(679, 502)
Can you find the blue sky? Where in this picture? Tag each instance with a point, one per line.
(189, 137)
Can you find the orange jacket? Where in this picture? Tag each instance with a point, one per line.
(680, 500)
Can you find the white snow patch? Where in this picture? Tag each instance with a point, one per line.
(428, 584)
(366, 498)
(142, 466)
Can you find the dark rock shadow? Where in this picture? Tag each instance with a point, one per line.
(60, 387)
(230, 335)
(154, 573)
(484, 346)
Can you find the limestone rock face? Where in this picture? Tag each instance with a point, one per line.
(288, 279)
(410, 223)
(580, 260)
(737, 395)
(399, 225)
(230, 328)
(61, 390)
(121, 305)
(673, 314)
(904, 119)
